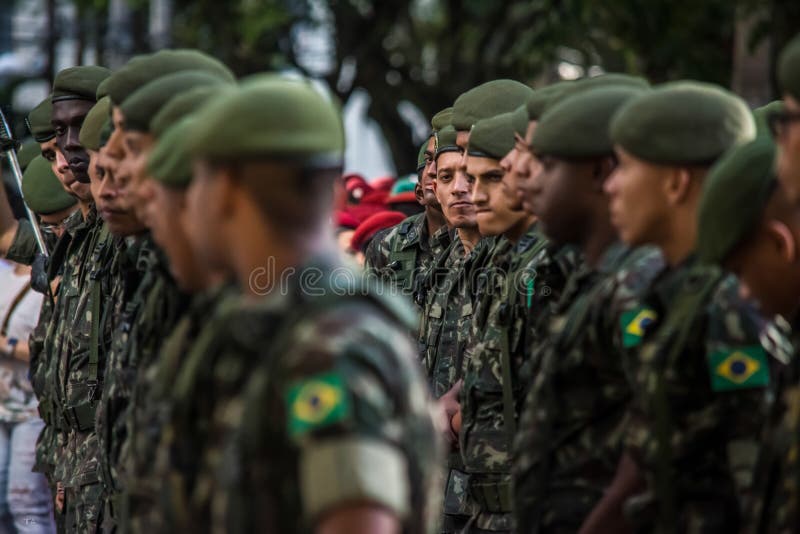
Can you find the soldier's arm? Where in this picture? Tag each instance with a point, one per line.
(607, 515)
(8, 224)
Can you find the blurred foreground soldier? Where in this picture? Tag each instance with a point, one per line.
(570, 432)
(446, 294)
(146, 448)
(785, 123)
(319, 417)
(748, 225)
(700, 373)
(403, 254)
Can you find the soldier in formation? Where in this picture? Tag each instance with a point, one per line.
(590, 325)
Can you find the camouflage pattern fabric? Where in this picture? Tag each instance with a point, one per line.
(145, 455)
(775, 505)
(702, 380)
(320, 403)
(448, 291)
(521, 284)
(571, 428)
(146, 320)
(404, 253)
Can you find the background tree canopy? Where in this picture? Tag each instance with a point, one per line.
(427, 52)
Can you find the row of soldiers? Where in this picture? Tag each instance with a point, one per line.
(606, 274)
(604, 278)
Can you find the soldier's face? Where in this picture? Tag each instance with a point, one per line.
(788, 140)
(165, 213)
(67, 120)
(429, 176)
(114, 152)
(523, 166)
(562, 202)
(454, 191)
(138, 190)
(637, 201)
(58, 164)
(120, 219)
(55, 221)
(493, 198)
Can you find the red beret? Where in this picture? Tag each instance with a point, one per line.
(374, 224)
(406, 196)
(345, 219)
(384, 183)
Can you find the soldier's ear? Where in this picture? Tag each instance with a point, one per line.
(418, 192)
(678, 185)
(782, 238)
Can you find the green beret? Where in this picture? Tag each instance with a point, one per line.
(421, 156)
(492, 137)
(735, 195)
(145, 102)
(537, 102)
(789, 68)
(577, 126)
(183, 105)
(761, 116)
(79, 83)
(487, 100)
(145, 68)
(446, 140)
(41, 189)
(170, 162)
(682, 123)
(38, 121)
(587, 84)
(403, 185)
(271, 117)
(93, 124)
(106, 131)
(27, 152)
(442, 119)
(519, 120)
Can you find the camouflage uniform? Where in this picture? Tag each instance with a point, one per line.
(446, 295)
(571, 428)
(82, 341)
(522, 283)
(775, 506)
(151, 307)
(319, 403)
(701, 384)
(404, 253)
(144, 454)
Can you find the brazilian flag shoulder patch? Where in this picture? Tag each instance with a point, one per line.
(316, 402)
(634, 325)
(743, 367)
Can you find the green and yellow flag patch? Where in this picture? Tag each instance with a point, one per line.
(744, 367)
(316, 402)
(634, 325)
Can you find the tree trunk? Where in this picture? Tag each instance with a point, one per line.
(50, 41)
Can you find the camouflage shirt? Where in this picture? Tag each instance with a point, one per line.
(446, 295)
(701, 381)
(405, 252)
(146, 454)
(519, 286)
(146, 319)
(775, 506)
(42, 366)
(572, 424)
(318, 402)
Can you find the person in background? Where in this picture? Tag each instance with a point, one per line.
(25, 499)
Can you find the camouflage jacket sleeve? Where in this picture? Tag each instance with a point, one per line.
(340, 414)
(376, 258)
